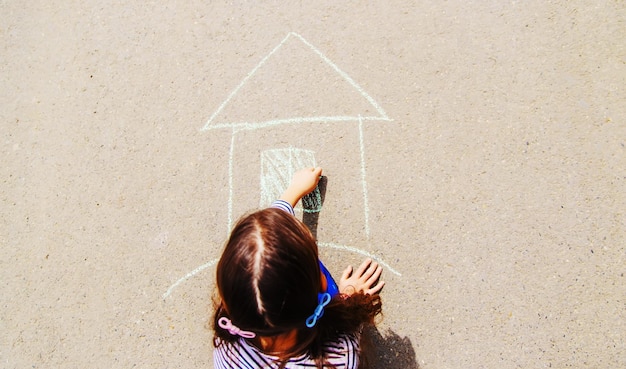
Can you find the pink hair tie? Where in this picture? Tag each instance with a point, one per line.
(226, 324)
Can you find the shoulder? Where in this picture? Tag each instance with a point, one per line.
(344, 351)
(240, 354)
(341, 353)
(283, 205)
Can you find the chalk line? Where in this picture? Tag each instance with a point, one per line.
(230, 181)
(250, 126)
(361, 252)
(255, 125)
(365, 200)
(344, 75)
(189, 275)
(243, 82)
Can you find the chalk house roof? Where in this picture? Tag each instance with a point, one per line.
(330, 79)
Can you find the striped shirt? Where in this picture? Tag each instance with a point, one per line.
(284, 205)
(343, 353)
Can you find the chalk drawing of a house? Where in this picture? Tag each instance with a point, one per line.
(283, 114)
(285, 75)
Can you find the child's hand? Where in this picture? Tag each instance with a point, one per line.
(364, 279)
(305, 180)
(302, 183)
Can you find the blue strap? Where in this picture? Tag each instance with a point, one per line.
(332, 287)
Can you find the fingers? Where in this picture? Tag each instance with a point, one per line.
(366, 278)
(316, 174)
(373, 284)
(347, 272)
(374, 272)
(363, 267)
(371, 278)
(307, 177)
(317, 171)
(368, 269)
(379, 286)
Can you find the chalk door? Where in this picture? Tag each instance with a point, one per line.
(277, 168)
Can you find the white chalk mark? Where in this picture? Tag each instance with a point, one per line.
(361, 252)
(230, 181)
(277, 168)
(320, 244)
(365, 200)
(344, 75)
(189, 275)
(243, 82)
(256, 125)
(312, 202)
(250, 126)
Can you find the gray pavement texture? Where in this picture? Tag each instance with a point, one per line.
(476, 148)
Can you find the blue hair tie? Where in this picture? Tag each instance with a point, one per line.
(322, 300)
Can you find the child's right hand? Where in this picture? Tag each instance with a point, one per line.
(365, 279)
(302, 183)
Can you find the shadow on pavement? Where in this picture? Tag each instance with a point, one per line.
(312, 205)
(388, 351)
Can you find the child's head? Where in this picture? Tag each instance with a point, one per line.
(268, 276)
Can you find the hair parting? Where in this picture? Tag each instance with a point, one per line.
(269, 284)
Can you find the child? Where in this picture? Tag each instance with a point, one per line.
(279, 307)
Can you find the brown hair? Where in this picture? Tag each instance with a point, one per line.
(268, 280)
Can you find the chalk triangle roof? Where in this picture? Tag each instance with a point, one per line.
(294, 83)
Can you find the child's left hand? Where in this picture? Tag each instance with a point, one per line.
(366, 279)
